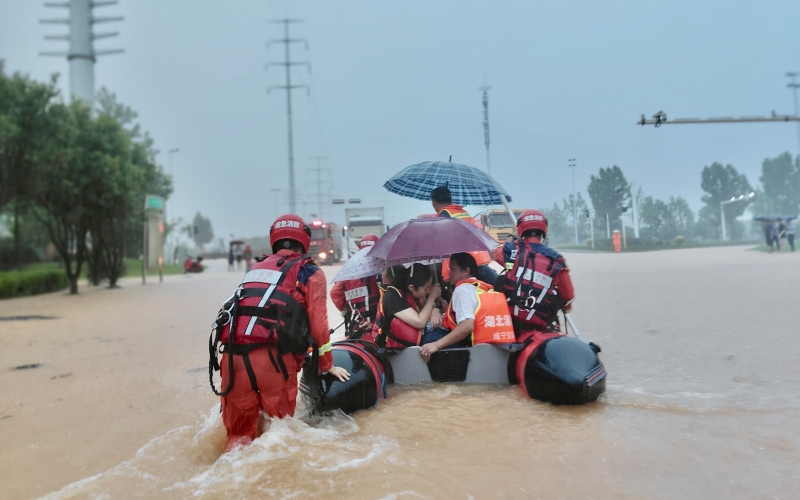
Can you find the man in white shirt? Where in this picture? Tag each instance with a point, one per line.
(463, 303)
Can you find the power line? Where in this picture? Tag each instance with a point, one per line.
(319, 182)
(288, 63)
(485, 89)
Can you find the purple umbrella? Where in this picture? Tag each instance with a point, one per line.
(430, 238)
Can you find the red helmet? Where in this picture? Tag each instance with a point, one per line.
(367, 241)
(290, 227)
(531, 219)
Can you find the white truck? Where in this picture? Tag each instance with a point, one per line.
(361, 222)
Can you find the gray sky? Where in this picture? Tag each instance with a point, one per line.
(396, 83)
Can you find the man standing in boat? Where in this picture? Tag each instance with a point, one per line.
(442, 201)
(537, 283)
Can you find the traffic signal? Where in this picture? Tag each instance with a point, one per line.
(586, 212)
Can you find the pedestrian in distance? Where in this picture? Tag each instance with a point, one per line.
(790, 226)
(781, 229)
(617, 239)
(230, 258)
(766, 227)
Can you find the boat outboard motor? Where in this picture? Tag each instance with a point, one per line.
(367, 380)
(561, 370)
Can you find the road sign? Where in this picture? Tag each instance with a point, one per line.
(153, 203)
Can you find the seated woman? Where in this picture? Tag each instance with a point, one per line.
(406, 306)
(471, 299)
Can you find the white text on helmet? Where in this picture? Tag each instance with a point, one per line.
(287, 223)
(533, 217)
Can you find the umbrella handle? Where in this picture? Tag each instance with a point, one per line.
(510, 212)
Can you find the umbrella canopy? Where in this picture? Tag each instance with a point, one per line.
(468, 185)
(775, 217)
(432, 238)
(359, 266)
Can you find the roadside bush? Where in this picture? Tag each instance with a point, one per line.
(22, 283)
(657, 241)
(679, 241)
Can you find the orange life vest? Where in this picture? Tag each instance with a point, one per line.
(492, 317)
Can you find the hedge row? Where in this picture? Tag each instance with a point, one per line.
(21, 283)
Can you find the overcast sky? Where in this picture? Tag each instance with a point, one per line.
(396, 83)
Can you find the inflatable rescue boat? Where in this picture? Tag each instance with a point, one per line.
(550, 367)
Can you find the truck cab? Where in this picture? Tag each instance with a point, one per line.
(326, 242)
(498, 222)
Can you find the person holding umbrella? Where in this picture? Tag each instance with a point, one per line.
(442, 202)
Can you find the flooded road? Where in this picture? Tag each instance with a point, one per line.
(702, 399)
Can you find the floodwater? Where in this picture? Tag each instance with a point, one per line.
(702, 400)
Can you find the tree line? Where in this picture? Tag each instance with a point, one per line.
(74, 176)
(610, 193)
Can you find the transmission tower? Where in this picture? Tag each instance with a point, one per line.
(288, 63)
(485, 90)
(319, 182)
(81, 54)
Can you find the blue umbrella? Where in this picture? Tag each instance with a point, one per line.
(468, 185)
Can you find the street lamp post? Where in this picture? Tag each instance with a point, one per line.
(571, 164)
(722, 211)
(170, 251)
(794, 86)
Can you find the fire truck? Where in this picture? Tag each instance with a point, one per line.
(326, 242)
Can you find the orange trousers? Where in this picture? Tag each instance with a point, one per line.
(276, 397)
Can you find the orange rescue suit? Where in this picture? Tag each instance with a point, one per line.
(277, 397)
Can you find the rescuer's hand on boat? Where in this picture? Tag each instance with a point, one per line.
(340, 373)
(427, 350)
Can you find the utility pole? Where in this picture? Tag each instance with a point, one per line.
(170, 252)
(635, 207)
(485, 90)
(288, 63)
(794, 86)
(275, 194)
(319, 182)
(81, 54)
(571, 164)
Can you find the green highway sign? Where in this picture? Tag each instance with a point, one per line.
(153, 203)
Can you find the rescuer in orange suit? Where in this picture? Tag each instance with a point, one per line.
(361, 309)
(617, 239)
(532, 227)
(442, 201)
(269, 384)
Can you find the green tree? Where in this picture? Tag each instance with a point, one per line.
(202, 231)
(722, 184)
(780, 186)
(654, 213)
(680, 218)
(23, 123)
(609, 192)
(576, 206)
(67, 170)
(558, 228)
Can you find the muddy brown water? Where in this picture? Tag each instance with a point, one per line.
(702, 399)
